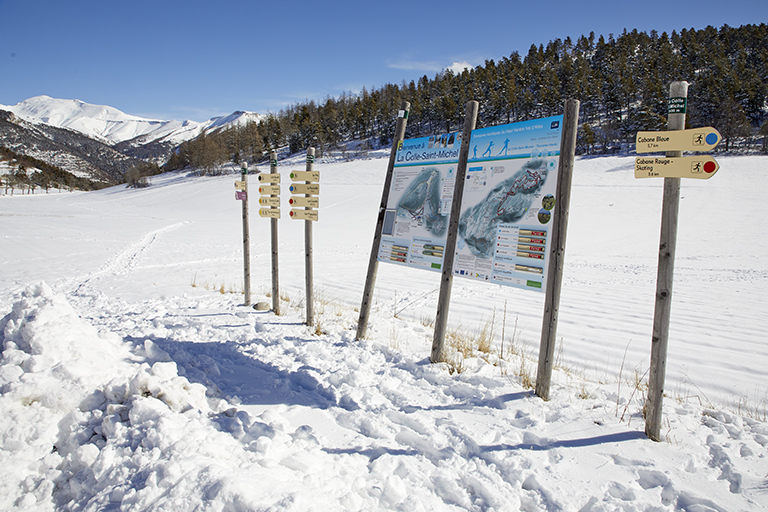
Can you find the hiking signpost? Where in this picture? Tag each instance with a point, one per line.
(697, 139)
(304, 201)
(241, 194)
(671, 167)
(270, 197)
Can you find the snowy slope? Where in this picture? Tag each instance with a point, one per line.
(129, 382)
(113, 126)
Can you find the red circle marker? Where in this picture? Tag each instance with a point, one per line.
(290, 213)
(709, 167)
(290, 201)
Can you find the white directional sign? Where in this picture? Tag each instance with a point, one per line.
(701, 167)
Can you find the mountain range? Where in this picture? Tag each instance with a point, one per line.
(96, 141)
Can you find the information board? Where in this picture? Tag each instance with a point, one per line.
(419, 205)
(507, 204)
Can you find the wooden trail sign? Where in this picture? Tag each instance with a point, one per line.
(701, 167)
(696, 139)
(269, 178)
(296, 213)
(304, 202)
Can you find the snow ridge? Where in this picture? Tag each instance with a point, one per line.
(112, 126)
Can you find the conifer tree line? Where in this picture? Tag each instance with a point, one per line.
(622, 83)
(45, 176)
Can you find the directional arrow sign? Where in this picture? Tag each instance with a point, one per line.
(269, 201)
(269, 178)
(701, 167)
(241, 185)
(696, 139)
(313, 176)
(309, 202)
(269, 189)
(270, 212)
(309, 188)
(303, 214)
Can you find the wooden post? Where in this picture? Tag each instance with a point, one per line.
(557, 248)
(446, 281)
(308, 250)
(664, 278)
(246, 237)
(373, 262)
(273, 222)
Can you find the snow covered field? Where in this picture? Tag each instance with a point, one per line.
(129, 382)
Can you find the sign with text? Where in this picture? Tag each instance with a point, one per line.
(313, 176)
(269, 178)
(303, 214)
(304, 202)
(701, 167)
(696, 139)
(508, 203)
(419, 204)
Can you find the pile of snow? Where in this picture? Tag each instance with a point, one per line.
(130, 382)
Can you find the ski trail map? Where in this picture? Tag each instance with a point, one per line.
(509, 196)
(419, 206)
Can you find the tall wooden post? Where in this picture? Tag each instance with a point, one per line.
(557, 248)
(273, 222)
(446, 281)
(308, 250)
(373, 262)
(246, 237)
(665, 275)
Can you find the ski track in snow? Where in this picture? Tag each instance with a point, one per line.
(122, 263)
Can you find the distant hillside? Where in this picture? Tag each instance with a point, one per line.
(66, 149)
(96, 142)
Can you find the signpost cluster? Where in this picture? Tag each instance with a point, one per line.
(304, 202)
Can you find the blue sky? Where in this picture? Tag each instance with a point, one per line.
(196, 59)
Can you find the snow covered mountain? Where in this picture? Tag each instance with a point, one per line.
(113, 126)
(128, 137)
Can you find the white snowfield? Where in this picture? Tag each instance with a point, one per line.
(129, 382)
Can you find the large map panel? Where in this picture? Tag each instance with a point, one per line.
(419, 205)
(507, 204)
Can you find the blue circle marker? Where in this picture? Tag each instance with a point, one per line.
(711, 138)
(292, 185)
